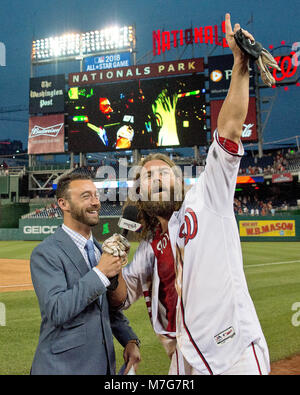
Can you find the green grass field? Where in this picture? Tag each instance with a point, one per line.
(273, 275)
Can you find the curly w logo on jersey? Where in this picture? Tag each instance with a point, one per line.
(189, 228)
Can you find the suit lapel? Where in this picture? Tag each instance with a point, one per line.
(73, 252)
(70, 249)
(98, 245)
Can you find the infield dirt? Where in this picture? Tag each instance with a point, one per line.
(15, 275)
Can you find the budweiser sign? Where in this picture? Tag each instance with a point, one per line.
(161, 69)
(51, 131)
(46, 134)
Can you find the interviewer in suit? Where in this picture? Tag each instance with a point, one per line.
(78, 323)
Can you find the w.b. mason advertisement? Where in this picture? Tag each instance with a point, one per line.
(46, 134)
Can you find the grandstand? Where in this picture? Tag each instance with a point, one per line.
(107, 209)
(29, 211)
(258, 201)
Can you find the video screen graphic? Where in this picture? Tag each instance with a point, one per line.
(141, 114)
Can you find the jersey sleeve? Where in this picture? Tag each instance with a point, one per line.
(137, 272)
(220, 175)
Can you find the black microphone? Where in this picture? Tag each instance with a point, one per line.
(129, 220)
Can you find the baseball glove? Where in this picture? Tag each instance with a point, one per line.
(117, 245)
(262, 57)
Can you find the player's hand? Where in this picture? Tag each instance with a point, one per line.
(237, 53)
(132, 357)
(110, 265)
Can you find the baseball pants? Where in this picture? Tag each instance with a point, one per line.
(252, 362)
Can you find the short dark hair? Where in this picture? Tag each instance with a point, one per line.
(65, 180)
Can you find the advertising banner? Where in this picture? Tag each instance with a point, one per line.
(152, 70)
(220, 70)
(47, 94)
(104, 62)
(249, 179)
(46, 134)
(285, 177)
(261, 228)
(40, 228)
(250, 125)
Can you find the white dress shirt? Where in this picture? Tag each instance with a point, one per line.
(80, 242)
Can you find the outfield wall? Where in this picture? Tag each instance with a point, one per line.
(8, 234)
(268, 228)
(39, 229)
(10, 214)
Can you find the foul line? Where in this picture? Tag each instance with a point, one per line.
(271, 263)
(17, 285)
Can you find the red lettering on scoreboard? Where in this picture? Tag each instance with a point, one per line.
(165, 40)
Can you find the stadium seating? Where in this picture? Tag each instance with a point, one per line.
(107, 209)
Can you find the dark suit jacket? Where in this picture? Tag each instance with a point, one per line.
(76, 333)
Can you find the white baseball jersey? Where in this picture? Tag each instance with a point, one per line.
(216, 318)
(151, 274)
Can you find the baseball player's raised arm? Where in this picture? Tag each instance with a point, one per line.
(235, 107)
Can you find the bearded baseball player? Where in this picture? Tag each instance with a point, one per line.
(189, 265)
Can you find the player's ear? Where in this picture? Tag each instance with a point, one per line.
(63, 204)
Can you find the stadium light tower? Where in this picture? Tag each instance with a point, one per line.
(77, 46)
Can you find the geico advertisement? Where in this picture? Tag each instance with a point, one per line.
(39, 230)
(267, 228)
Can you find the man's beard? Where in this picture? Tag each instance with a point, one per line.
(158, 209)
(161, 208)
(81, 215)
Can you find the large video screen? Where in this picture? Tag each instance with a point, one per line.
(141, 114)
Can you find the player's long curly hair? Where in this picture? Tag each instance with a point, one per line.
(146, 216)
